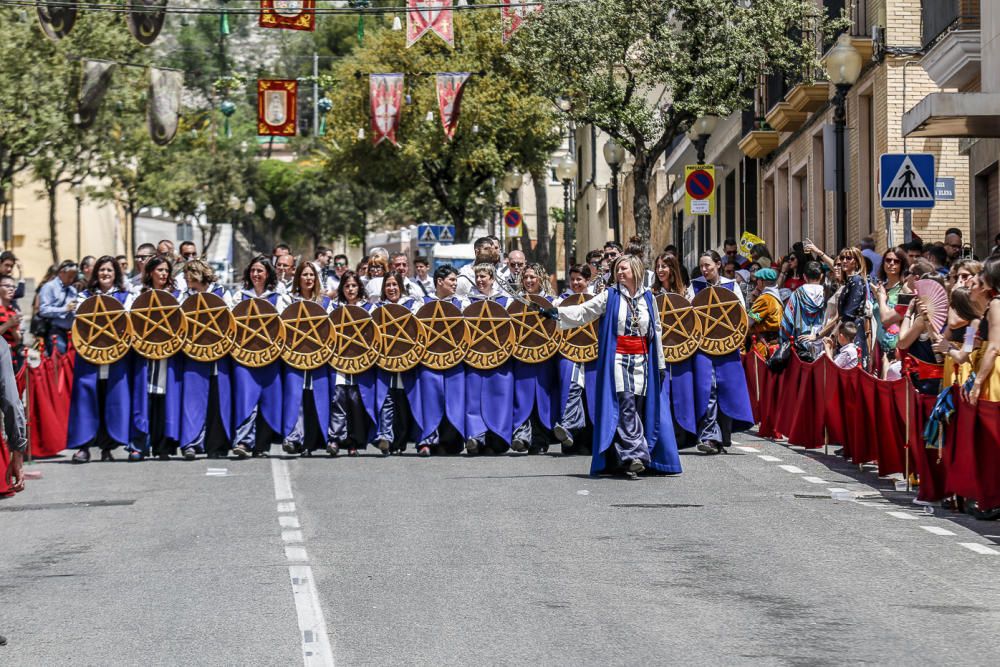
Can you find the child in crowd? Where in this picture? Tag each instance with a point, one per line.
(847, 355)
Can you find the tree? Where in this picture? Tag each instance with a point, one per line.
(643, 72)
(503, 121)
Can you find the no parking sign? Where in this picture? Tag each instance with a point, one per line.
(699, 185)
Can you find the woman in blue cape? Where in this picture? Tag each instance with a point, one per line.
(721, 397)
(396, 394)
(257, 393)
(442, 393)
(206, 386)
(574, 428)
(633, 428)
(536, 385)
(352, 410)
(679, 384)
(101, 399)
(489, 394)
(306, 407)
(156, 385)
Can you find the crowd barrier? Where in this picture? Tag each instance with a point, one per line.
(881, 422)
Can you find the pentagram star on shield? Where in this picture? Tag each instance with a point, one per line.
(254, 324)
(211, 325)
(493, 334)
(447, 333)
(396, 331)
(715, 304)
(148, 324)
(102, 321)
(306, 327)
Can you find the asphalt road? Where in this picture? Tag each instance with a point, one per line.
(494, 560)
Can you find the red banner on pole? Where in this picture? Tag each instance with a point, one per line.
(288, 14)
(512, 15)
(429, 16)
(450, 86)
(276, 107)
(386, 100)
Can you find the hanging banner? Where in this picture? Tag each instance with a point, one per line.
(386, 100)
(288, 14)
(56, 17)
(429, 16)
(163, 106)
(450, 86)
(144, 19)
(276, 107)
(95, 84)
(512, 15)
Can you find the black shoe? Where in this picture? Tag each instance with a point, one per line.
(81, 456)
(3, 640)
(134, 456)
(260, 455)
(163, 456)
(106, 455)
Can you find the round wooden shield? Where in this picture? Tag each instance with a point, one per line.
(722, 319)
(579, 344)
(680, 327)
(447, 334)
(491, 335)
(158, 324)
(260, 333)
(403, 338)
(101, 332)
(536, 337)
(211, 327)
(356, 341)
(309, 335)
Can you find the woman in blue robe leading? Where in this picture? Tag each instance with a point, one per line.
(633, 427)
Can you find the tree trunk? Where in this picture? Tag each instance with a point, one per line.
(50, 193)
(538, 182)
(641, 212)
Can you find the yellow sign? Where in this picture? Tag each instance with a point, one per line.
(512, 220)
(699, 189)
(748, 241)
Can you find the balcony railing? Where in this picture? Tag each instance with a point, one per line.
(940, 16)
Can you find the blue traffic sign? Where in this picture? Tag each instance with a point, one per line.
(906, 180)
(428, 235)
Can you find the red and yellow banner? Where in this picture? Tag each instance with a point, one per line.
(288, 14)
(276, 107)
(450, 86)
(429, 16)
(512, 15)
(386, 100)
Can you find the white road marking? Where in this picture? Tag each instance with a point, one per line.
(282, 482)
(288, 521)
(286, 507)
(768, 458)
(291, 535)
(296, 554)
(217, 472)
(316, 648)
(793, 469)
(814, 480)
(979, 548)
(937, 530)
(751, 450)
(903, 515)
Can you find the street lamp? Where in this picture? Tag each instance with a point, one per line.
(233, 203)
(249, 206)
(77, 190)
(566, 172)
(843, 67)
(699, 133)
(270, 213)
(614, 155)
(512, 182)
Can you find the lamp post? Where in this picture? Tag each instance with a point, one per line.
(843, 66)
(614, 155)
(566, 172)
(699, 133)
(269, 213)
(512, 182)
(77, 190)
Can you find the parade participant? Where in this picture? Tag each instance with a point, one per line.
(489, 394)
(101, 398)
(206, 386)
(352, 411)
(396, 393)
(986, 292)
(765, 313)
(486, 253)
(632, 428)
(574, 427)
(284, 269)
(667, 274)
(442, 393)
(421, 266)
(536, 385)
(400, 264)
(516, 261)
(143, 253)
(257, 392)
(57, 301)
(377, 269)
(722, 401)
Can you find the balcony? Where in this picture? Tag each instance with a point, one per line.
(954, 60)
(759, 144)
(808, 97)
(783, 117)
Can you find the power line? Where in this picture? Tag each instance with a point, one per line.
(256, 10)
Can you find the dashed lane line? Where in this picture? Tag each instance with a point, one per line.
(795, 470)
(814, 480)
(768, 458)
(979, 548)
(937, 530)
(903, 515)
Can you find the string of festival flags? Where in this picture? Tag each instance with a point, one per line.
(277, 99)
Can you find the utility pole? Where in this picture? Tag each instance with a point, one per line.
(315, 94)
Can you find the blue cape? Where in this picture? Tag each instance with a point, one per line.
(257, 386)
(490, 396)
(589, 384)
(442, 394)
(293, 382)
(140, 397)
(197, 377)
(84, 419)
(536, 385)
(680, 387)
(383, 381)
(657, 422)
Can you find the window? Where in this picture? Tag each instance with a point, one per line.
(866, 166)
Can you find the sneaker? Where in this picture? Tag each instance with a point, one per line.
(636, 466)
(563, 436)
(472, 446)
(519, 445)
(424, 451)
(709, 448)
(290, 447)
(352, 452)
(190, 454)
(133, 456)
(81, 456)
(240, 452)
(333, 450)
(383, 446)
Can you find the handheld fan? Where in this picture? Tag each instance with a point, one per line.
(935, 299)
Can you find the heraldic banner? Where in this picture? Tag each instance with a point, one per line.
(145, 18)
(512, 16)
(163, 105)
(96, 81)
(288, 14)
(276, 107)
(429, 16)
(450, 86)
(56, 18)
(386, 99)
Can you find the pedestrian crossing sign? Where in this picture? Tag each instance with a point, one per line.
(906, 180)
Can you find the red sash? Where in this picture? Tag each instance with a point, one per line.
(632, 345)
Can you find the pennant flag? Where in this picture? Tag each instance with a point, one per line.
(512, 15)
(96, 81)
(276, 107)
(163, 108)
(429, 16)
(450, 86)
(288, 14)
(144, 19)
(57, 17)
(386, 100)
